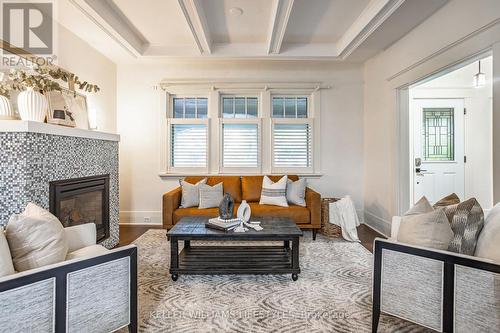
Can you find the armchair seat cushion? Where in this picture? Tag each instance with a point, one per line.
(87, 252)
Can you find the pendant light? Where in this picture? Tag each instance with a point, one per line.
(479, 78)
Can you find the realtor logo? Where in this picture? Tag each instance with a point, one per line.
(27, 27)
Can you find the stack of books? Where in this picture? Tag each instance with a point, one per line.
(220, 224)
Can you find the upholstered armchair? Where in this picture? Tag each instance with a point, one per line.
(94, 290)
(441, 290)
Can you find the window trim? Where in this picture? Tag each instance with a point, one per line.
(281, 170)
(240, 170)
(189, 121)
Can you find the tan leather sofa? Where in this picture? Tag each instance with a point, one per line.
(245, 188)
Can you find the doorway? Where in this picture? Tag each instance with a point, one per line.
(451, 139)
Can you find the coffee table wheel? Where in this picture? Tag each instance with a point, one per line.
(175, 277)
(295, 277)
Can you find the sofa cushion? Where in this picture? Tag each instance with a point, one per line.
(274, 193)
(251, 186)
(488, 243)
(6, 265)
(231, 184)
(194, 211)
(191, 192)
(87, 252)
(36, 238)
(296, 192)
(298, 214)
(210, 196)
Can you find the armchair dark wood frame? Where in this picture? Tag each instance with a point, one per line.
(449, 262)
(60, 274)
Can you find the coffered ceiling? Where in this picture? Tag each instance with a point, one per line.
(128, 30)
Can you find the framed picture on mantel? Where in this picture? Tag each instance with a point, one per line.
(68, 108)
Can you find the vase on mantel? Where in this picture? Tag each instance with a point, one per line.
(32, 105)
(6, 112)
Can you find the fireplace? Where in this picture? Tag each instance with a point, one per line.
(82, 200)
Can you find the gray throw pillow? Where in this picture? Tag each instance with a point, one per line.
(190, 193)
(296, 192)
(467, 220)
(210, 196)
(421, 207)
(430, 229)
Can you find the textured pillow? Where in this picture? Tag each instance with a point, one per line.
(210, 196)
(449, 200)
(488, 243)
(467, 222)
(274, 193)
(430, 229)
(36, 238)
(190, 193)
(6, 266)
(296, 192)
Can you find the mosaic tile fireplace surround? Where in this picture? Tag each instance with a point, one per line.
(33, 155)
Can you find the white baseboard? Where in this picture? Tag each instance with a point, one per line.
(140, 218)
(378, 224)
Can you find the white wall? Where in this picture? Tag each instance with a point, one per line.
(447, 37)
(77, 56)
(138, 117)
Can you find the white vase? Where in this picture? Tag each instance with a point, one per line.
(244, 212)
(5, 109)
(32, 105)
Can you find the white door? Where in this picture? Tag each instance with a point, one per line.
(438, 126)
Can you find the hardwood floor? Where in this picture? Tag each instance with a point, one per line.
(129, 233)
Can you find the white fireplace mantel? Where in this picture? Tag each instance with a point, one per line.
(36, 127)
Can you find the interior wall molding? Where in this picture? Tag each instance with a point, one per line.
(214, 85)
(377, 223)
(448, 47)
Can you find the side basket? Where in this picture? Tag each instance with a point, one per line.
(328, 229)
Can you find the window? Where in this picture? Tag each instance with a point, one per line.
(188, 134)
(438, 134)
(239, 107)
(291, 135)
(190, 107)
(247, 131)
(240, 145)
(189, 145)
(289, 107)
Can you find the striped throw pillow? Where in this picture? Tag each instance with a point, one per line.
(274, 193)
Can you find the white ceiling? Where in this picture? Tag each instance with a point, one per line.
(130, 30)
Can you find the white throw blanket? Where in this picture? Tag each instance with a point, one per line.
(343, 213)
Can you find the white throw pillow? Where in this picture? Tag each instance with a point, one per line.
(6, 266)
(190, 193)
(296, 192)
(274, 193)
(210, 196)
(36, 238)
(488, 243)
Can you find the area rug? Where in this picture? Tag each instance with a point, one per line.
(332, 294)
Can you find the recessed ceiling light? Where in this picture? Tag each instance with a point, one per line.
(236, 11)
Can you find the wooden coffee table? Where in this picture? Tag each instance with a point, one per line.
(234, 258)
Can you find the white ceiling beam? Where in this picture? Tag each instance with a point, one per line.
(279, 22)
(197, 22)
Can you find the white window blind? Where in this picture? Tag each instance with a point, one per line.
(189, 145)
(292, 145)
(240, 144)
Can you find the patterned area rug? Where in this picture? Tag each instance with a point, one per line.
(332, 294)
